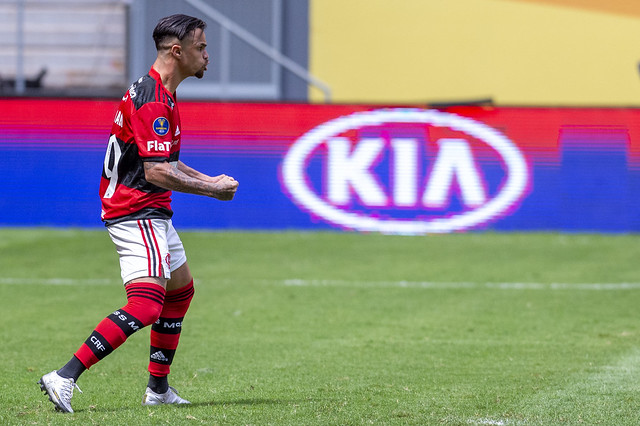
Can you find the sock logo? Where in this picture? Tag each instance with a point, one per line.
(158, 356)
(127, 323)
(168, 325)
(174, 324)
(97, 343)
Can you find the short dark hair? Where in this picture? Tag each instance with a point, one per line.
(178, 26)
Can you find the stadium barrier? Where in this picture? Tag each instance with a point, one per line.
(408, 170)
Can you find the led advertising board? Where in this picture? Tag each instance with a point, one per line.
(402, 170)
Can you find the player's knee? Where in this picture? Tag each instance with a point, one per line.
(153, 313)
(145, 312)
(145, 302)
(148, 314)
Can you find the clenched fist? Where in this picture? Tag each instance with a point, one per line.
(225, 187)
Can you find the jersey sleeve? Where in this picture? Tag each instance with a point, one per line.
(152, 131)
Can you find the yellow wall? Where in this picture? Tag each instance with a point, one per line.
(517, 52)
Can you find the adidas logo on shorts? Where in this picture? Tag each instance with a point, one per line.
(159, 356)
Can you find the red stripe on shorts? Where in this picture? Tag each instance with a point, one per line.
(146, 244)
(158, 252)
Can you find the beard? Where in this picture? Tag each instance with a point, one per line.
(200, 72)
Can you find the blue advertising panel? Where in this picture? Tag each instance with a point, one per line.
(344, 167)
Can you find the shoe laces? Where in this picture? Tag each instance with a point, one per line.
(67, 389)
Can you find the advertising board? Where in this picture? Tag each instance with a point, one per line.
(402, 170)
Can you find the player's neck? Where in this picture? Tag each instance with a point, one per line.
(169, 75)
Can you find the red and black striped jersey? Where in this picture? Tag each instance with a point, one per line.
(146, 128)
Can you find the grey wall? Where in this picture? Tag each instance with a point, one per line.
(283, 24)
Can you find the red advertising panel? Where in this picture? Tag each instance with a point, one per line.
(352, 167)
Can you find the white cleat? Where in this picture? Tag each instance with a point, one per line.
(169, 397)
(59, 389)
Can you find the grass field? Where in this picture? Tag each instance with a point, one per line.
(340, 328)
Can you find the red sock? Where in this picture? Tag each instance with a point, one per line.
(144, 304)
(165, 333)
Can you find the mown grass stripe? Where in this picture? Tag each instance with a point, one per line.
(458, 285)
(588, 398)
(357, 284)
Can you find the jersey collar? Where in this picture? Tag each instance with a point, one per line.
(156, 76)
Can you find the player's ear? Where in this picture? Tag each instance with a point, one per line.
(176, 50)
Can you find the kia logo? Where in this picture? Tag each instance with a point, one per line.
(353, 192)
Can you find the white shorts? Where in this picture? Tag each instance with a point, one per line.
(147, 248)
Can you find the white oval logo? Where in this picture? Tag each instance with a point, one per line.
(350, 178)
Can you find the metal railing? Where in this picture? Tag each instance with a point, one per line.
(229, 26)
(20, 78)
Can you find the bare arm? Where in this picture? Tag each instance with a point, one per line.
(191, 172)
(185, 179)
(196, 174)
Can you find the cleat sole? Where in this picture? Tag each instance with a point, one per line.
(55, 404)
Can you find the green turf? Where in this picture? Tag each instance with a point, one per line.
(340, 328)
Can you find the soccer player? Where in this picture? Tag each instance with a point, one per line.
(140, 170)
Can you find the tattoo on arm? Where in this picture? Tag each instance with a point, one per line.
(166, 176)
(188, 180)
(189, 171)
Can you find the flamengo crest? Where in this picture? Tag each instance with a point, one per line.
(354, 192)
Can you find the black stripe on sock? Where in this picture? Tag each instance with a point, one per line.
(126, 322)
(180, 297)
(154, 289)
(168, 325)
(154, 295)
(98, 345)
(161, 355)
